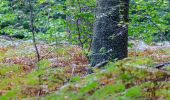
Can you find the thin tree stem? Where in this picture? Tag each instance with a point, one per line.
(32, 30)
(78, 28)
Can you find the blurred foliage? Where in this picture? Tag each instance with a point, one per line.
(150, 20)
(80, 19)
(72, 20)
(48, 16)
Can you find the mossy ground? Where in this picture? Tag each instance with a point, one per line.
(62, 75)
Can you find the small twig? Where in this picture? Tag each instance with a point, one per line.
(90, 45)
(73, 69)
(42, 57)
(38, 94)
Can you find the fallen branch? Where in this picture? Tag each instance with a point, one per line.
(160, 66)
(101, 64)
(153, 70)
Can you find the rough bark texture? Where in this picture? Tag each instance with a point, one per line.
(110, 38)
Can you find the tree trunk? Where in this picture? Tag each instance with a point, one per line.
(110, 31)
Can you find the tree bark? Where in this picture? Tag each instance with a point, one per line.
(110, 34)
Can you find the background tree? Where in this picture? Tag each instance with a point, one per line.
(110, 31)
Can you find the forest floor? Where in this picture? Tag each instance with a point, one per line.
(62, 73)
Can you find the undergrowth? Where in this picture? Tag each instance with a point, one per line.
(63, 74)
